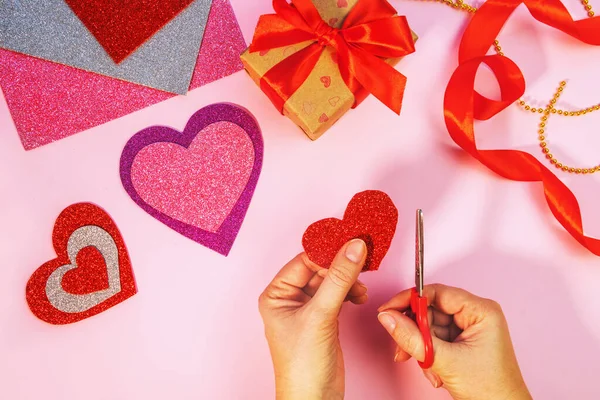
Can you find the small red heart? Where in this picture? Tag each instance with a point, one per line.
(370, 216)
(91, 273)
(326, 80)
(263, 53)
(342, 3)
(323, 118)
(333, 21)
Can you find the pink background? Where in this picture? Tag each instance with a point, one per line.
(193, 331)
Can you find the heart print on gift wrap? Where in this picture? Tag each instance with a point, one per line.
(371, 216)
(198, 182)
(91, 273)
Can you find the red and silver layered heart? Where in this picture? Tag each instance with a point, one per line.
(92, 271)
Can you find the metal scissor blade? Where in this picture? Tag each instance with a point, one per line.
(419, 254)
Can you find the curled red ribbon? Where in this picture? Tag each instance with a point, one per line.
(371, 32)
(463, 104)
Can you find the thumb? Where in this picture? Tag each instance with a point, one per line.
(342, 274)
(405, 333)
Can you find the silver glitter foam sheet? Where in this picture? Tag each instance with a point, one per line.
(49, 29)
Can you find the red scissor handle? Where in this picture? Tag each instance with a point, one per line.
(418, 305)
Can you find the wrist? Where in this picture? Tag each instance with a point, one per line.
(290, 388)
(519, 392)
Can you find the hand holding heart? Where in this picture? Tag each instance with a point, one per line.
(300, 308)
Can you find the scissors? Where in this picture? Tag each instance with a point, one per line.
(418, 303)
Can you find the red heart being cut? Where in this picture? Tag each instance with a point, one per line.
(371, 216)
(91, 272)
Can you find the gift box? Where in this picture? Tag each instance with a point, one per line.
(317, 59)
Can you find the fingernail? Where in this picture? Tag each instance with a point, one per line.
(396, 357)
(362, 299)
(355, 250)
(388, 322)
(433, 379)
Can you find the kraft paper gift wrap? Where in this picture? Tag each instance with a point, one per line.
(324, 97)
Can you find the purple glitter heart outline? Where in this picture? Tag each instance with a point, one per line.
(222, 240)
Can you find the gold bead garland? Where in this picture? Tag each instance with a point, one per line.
(544, 144)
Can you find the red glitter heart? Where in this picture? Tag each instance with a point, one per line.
(333, 21)
(123, 26)
(81, 234)
(323, 118)
(326, 80)
(90, 274)
(370, 216)
(342, 3)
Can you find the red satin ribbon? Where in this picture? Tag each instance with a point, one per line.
(462, 104)
(371, 32)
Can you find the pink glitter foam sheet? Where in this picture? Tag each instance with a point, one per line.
(50, 101)
(198, 182)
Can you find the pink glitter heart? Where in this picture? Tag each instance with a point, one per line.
(198, 182)
(206, 179)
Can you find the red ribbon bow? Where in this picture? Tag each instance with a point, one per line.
(371, 31)
(462, 103)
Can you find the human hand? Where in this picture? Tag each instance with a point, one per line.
(474, 355)
(300, 309)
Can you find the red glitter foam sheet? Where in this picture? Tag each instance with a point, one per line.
(123, 26)
(98, 273)
(371, 216)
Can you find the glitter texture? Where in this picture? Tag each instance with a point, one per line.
(48, 29)
(222, 239)
(49, 101)
(207, 178)
(81, 238)
(80, 227)
(221, 47)
(371, 216)
(122, 26)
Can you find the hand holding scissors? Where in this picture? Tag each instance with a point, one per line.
(475, 357)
